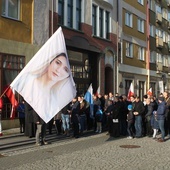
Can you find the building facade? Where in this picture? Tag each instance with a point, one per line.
(143, 46)
(89, 28)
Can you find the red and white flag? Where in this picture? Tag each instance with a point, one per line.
(10, 93)
(131, 91)
(46, 82)
(98, 91)
(149, 92)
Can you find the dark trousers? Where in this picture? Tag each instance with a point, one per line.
(22, 125)
(123, 127)
(116, 130)
(130, 128)
(58, 124)
(148, 126)
(75, 129)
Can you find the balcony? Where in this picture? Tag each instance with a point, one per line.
(159, 18)
(159, 42)
(159, 67)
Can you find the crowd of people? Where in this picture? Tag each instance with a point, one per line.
(114, 114)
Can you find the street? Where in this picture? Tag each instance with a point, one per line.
(93, 151)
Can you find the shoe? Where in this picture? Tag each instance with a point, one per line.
(137, 136)
(38, 144)
(44, 143)
(129, 137)
(161, 140)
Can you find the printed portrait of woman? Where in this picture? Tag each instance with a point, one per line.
(47, 84)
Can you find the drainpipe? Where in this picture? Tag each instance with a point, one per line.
(117, 72)
(148, 45)
(52, 10)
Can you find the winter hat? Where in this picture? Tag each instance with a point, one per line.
(129, 107)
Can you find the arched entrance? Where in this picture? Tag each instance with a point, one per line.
(108, 80)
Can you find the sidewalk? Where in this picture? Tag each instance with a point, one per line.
(10, 131)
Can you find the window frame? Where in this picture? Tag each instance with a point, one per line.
(128, 19)
(129, 49)
(141, 53)
(140, 25)
(141, 2)
(6, 9)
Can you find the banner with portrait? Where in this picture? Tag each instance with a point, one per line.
(46, 82)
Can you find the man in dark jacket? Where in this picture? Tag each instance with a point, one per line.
(148, 111)
(138, 110)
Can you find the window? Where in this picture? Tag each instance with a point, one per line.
(153, 85)
(169, 16)
(129, 49)
(140, 25)
(10, 67)
(158, 9)
(164, 13)
(159, 57)
(159, 33)
(168, 61)
(127, 86)
(165, 36)
(100, 28)
(94, 20)
(128, 19)
(107, 25)
(141, 2)
(70, 13)
(141, 89)
(141, 53)
(165, 60)
(101, 22)
(11, 8)
(151, 4)
(78, 14)
(61, 12)
(152, 31)
(152, 57)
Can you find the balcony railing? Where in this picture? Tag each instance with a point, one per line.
(159, 18)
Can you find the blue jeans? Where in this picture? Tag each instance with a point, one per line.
(161, 127)
(65, 121)
(138, 125)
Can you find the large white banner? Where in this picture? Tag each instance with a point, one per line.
(46, 82)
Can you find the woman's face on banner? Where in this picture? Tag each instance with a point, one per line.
(58, 69)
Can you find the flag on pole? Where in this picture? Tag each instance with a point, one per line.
(131, 91)
(46, 82)
(98, 91)
(89, 98)
(149, 92)
(10, 93)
